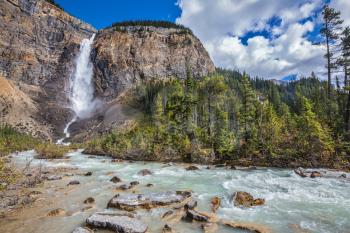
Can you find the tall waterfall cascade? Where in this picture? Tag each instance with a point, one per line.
(81, 89)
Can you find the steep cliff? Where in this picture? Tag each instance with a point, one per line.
(38, 46)
(130, 54)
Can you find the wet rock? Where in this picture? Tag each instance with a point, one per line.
(315, 174)
(53, 177)
(167, 229)
(220, 165)
(56, 212)
(191, 168)
(342, 175)
(73, 182)
(89, 200)
(246, 200)
(115, 179)
(233, 167)
(130, 202)
(125, 187)
(82, 230)
(91, 157)
(209, 227)
(215, 203)
(196, 215)
(88, 174)
(149, 185)
(134, 183)
(300, 171)
(191, 205)
(117, 223)
(144, 172)
(250, 227)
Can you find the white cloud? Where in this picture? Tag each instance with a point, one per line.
(221, 23)
(344, 7)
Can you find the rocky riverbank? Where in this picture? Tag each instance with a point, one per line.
(84, 193)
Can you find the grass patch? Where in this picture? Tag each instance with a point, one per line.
(51, 151)
(11, 141)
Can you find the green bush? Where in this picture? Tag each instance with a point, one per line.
(51, 151)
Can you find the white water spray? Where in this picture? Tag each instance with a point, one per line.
(81, 91)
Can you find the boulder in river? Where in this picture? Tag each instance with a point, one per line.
(130, 202)
(192, 168)
(191, 205)
(144, 172)
(89, 200)
(315, 174)
(134, 183)
(88, 174)
(300, 171)
(215, 203)
(82, 230)
(196, 215)
(246, 200)
(149, 185)
(73, 182)
(56, 212)
(167, 229)
(117, 223)
(342, 175)
(115, 179)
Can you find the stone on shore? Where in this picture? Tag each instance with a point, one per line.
(117, 223)
(144, 172)
(82, 230)
(130, 202)
(246, 200)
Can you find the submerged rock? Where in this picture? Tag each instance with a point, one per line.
(315, 174)
(301, 172)
(191, 205)
(88, 174)
(215, 203)
(144, 172)
(115, 179)
(117, 223)
(342, 175)
(149, 185)
(246, 200)
(89, 200)
(167, 229)
(191, 168)
(82, 230)
(73, 182)
(130, 202)
(56, 212)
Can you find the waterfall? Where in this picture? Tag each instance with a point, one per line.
(81, 90)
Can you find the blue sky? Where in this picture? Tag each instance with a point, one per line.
(266, 38)
(102, 13)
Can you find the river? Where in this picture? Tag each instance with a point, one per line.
(293, 204)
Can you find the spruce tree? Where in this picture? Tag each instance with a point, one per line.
(330, 31)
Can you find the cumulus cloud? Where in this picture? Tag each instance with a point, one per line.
(283, 49)
(344, 7)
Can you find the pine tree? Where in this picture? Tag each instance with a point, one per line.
(345, 62)
(330, 30)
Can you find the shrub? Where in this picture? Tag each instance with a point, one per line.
(51, 151)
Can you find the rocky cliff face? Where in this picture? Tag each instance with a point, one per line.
(137, 53)
(38, 46)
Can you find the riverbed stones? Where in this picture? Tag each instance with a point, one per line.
(215, 204)
(191, 205)
(117, 223)
(89, 200)
(115, 179)
(73, 182)
(192, 168)
(82, 230)
(301, 172)
(144, 172)
(245, 199)
(130, 202)
(56, 212)
(315, 174)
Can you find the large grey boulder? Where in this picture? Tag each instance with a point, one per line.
(117, 223)
(130, 202)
